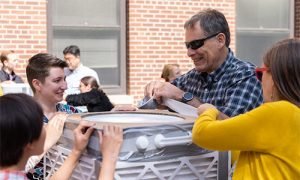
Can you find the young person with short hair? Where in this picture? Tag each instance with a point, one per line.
(23, 135)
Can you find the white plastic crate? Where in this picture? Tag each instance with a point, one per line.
(16, 88)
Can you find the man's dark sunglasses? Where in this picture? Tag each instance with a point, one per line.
(198, 43)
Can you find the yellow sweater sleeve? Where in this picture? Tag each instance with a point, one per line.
(256, 130)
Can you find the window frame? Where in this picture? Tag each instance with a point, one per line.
(120, 88)
(268, 31)
(291, 24)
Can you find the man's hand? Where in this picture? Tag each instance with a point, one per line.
(151, 87)
(160, 89)
(167, 90)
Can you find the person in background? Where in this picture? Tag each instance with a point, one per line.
(170, 72)
(45, 75)
(76, 70)
(268, 136)
(9, 61)
(219, 77)
(91, 96)
(26, 135)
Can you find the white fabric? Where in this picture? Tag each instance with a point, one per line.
(32, 162)
(73, 79)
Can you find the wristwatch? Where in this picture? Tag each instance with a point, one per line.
(187, 96)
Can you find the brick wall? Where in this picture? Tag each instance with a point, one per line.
(23, 29)
(156, 36)
(297, 18)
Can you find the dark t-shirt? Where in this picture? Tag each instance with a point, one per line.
(4, 76)
(95, 100)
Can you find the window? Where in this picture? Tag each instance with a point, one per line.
(98, 28)
(260, 24)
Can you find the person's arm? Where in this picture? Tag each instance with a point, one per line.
(111, 139)
(167, 90)
(18, 79)
(103, 102)
(81, 136)
(79, 99)
(54, 130)
(65, 171)
(203, 107)
(150, 88)
(254, 130)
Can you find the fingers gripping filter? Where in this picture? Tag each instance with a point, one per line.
(156, 145)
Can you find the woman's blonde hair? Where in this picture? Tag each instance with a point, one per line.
(167, 71)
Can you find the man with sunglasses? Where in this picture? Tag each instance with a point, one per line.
(219, 78)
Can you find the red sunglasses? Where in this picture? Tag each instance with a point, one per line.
(259, 72)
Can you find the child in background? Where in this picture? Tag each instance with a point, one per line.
(91, 96)
(170, 72)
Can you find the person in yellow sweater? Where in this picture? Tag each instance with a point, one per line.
(268, 136)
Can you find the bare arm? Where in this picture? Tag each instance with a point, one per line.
(110, 143)
(81, 135)
(167, 90)
(54, 130)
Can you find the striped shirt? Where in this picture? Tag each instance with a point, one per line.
(232, 88)
(12, 175)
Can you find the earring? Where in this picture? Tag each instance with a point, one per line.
(272, 96)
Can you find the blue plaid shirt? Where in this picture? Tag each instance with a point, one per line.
(232, 88)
